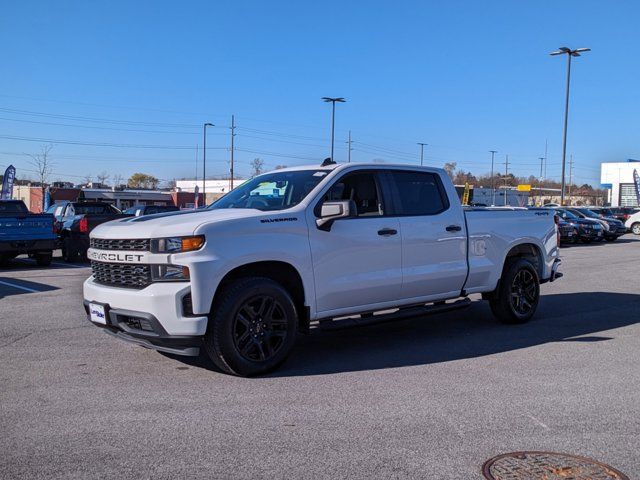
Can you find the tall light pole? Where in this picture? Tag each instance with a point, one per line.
(422, 152)
(333, 116)
(204, 160)
(569, 53)
(493, 190)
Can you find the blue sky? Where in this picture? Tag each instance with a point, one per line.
(463, 76)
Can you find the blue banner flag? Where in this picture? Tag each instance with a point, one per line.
(7, 183)
(46, 200)
(636, 181)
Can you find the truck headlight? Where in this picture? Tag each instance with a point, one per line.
(177, 244)
(169, 273)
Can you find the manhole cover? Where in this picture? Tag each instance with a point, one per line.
(547, 466)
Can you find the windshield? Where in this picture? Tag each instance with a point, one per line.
(272, 191)
(588, 213)
(566, 214)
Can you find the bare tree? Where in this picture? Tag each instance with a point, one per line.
(257, 165)
(450, 168)
(87, 179)
(118, 180)
(103, 177)
(280, 167)
(44, 165)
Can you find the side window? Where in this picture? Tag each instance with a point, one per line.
(362, 188)
(418, 193)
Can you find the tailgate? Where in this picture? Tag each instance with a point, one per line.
(29, 227)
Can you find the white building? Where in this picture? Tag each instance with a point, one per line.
(617, 177)
(211, 186)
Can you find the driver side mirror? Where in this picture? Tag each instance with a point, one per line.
(332, 211)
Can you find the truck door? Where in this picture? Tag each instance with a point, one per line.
(357, 262)
(434, 243)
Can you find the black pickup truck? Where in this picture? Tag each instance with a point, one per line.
(74, 222)
(24, 232)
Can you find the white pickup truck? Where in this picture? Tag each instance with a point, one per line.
(303, 247)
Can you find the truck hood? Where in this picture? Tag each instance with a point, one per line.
(170, 224)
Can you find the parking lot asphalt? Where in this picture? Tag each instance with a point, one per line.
(430, 397)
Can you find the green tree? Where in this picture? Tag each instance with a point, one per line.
(143, 180)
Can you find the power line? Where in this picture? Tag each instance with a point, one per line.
(103, 144)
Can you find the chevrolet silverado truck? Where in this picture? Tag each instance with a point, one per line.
(24, 232)
(311, 247)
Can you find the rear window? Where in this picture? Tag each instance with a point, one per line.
(93, 209)
(13, 208)
(419, 193)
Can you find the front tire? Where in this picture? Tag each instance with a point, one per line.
(635, 228)
(516, 298)
(44, 259)
(253, 327)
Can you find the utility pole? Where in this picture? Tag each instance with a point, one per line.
(233, 134)
(546, 147)
(570, 176)
(540, 181)
(349, 144)
(506, 173)
(493, 190)
(570, 54)
(204, 160)
(422, 152)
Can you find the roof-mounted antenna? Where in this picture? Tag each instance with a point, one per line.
(327, 161)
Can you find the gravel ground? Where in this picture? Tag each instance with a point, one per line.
(429, 397)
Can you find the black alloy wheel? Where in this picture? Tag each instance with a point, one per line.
(260, 328)
(523, 292)
(252, 326)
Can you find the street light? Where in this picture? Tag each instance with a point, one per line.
(422, 152)
(204, 161)
(569, 53)
(333, 115)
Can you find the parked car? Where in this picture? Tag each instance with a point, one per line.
(568, 232)
(76, 220)
(24, 232)
(587, 230)
(613, 228)
(633, 223)
(140, 210)
(619, 213)
(299, 246)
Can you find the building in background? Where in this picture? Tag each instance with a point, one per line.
(214, 189)
(122, 199)
(617, 177)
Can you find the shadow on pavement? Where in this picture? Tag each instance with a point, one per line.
(468, 333)
(15, 286)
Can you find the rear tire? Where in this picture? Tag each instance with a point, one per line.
(252, 328)
(44, 259)
(516, 298)
(635, 228)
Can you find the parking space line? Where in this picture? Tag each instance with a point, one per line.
(31, 290)
(68, 265)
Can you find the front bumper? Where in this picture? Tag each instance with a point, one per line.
(27, 246)
(161, 301)
(145, 330)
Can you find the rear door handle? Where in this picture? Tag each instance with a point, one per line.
(454, 228)
(385, 232)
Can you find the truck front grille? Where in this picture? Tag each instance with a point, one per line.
(139, 244)
(121, 274)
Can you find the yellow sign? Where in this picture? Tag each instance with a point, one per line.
(524, 188)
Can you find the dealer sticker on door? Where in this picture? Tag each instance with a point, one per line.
(97, 313)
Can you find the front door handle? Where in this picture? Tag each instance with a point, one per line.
(385, 232)
(454, 228)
